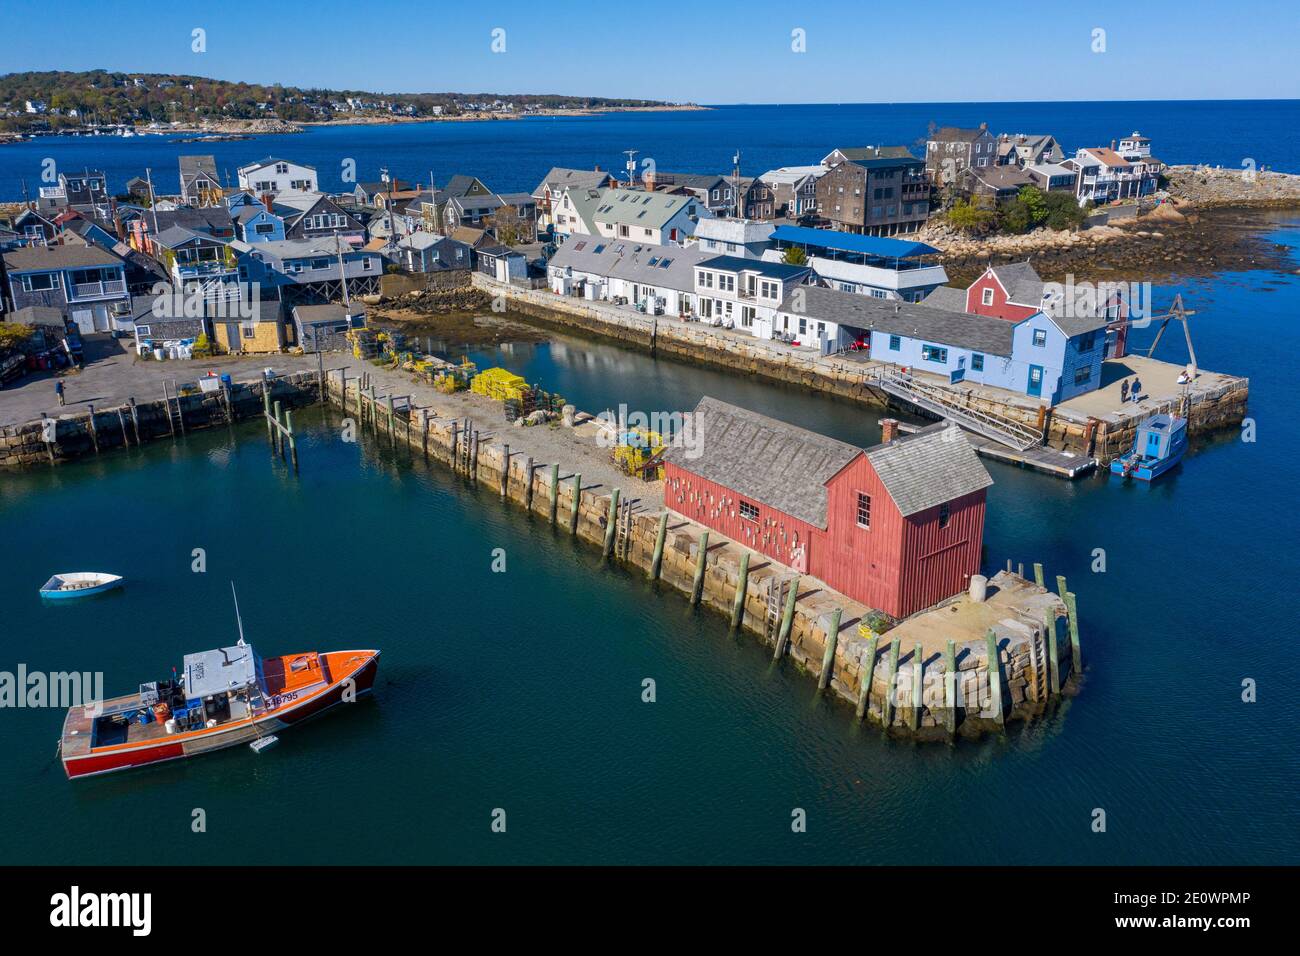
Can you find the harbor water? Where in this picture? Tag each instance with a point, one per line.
(522, 691)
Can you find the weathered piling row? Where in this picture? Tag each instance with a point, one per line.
(1209, 410)
(669, 549)
(101, 429)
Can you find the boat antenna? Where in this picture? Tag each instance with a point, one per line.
(238, 620)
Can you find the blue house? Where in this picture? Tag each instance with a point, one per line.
(1044, 357)
(85, 283)
(258, 224)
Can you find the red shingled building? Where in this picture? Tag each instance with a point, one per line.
(898, 527)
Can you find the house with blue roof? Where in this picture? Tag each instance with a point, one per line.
(879, 266)
(744, 293)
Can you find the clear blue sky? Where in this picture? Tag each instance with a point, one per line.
(710, 52)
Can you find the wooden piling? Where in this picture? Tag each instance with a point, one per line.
(135, 419)
(1038, 575)
(1076, 654)
(656, 562)
(473, 456)
(577, 504)
(94, 432)
(555, 492)
(918, 667)
(505, 474)
(528, 488)
(865, 675)
(266, 410)
(279, 433)
(995, 676)
(887, 706)
(787, 619)
(121, 420)
(701, 560)
(1054, 666)
(293, 442)
(742, 585)
(610, 524)
(424, 432)
(828, 658)
(950, 687)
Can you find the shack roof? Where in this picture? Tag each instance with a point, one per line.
(38, 258)
(929, 467)
(765, 460)
(979, 333)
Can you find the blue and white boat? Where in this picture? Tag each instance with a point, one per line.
(1159, 445)
(76, 584)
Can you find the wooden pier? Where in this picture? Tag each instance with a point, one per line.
(1048, 461)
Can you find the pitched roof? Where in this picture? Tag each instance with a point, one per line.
(193, 166)
(314, 314)
(562, 176)
(768, 461)
(1001, 177)
(1022, 282)
(928, 467)
(858, 154)
(979, 333)
(666, 267)
(35, 258)
(634, 207)
(946, 297)
(958, 134)
(1107, 156)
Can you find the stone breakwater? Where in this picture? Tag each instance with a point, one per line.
(126, 425)
(1104, 437)
(1025, 621)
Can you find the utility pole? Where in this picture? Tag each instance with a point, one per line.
(631, 167)
(153, 202)
(343, 276)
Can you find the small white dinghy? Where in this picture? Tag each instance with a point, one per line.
(75, 584)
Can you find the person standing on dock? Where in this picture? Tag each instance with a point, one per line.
(1123, 391)
(58, 390)
(1136, 390)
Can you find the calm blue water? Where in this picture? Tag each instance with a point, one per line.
(513, 155)
(522, 690)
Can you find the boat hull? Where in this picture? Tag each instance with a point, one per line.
(354, 684)
(54, 594)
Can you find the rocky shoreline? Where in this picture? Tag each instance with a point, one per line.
(1212, 222)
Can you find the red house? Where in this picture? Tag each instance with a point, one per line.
(898, 527)
(1015, 292)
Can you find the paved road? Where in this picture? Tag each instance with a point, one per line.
(114, 374)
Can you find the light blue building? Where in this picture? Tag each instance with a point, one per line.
(1044, 357)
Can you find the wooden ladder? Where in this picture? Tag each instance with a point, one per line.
(777, 589)
(168, 397)
(623, 530)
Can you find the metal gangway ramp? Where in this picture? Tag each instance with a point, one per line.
(945, 403)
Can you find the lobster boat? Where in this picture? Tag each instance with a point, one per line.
(75, 584)
(222, 697)
(1160, 443)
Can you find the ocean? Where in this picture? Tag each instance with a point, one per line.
(522, 691)
(514, 155)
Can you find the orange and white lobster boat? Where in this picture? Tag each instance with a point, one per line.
(225, 697)
(222, 698)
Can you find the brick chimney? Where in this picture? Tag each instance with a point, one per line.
(888, 430)
(267, 200)
(649, 178)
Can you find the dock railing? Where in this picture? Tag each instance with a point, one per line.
(945, 403)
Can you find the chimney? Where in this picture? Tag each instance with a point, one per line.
(267, 201)
(888, 430)
(1112, 145)
(599, 170)
(649, 178)
(984, 125)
